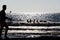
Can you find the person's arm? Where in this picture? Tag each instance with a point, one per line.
(8, 18)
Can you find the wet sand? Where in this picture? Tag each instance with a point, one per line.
(32, 31)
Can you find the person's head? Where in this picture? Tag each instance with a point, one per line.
(4, 7)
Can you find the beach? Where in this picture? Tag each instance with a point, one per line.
(32, 31)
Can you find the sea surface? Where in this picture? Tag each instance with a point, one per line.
(52, 17)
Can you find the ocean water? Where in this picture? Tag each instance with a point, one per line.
(52, 17)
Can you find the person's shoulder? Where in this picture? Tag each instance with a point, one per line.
(0, 11)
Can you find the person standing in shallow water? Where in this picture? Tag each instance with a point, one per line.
(2, 21)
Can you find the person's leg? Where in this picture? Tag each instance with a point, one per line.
(6, 26)
(1, 31)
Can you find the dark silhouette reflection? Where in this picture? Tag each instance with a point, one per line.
(2, 21)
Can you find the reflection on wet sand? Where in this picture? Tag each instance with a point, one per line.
(32, 31)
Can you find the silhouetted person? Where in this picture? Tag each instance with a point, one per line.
(29, 21)
(34, 21)
(2, 21)
(37, 21)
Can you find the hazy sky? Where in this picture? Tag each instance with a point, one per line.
(31, 5)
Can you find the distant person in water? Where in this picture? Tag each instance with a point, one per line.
(10, 11)
(2, 21)
(34, 21)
